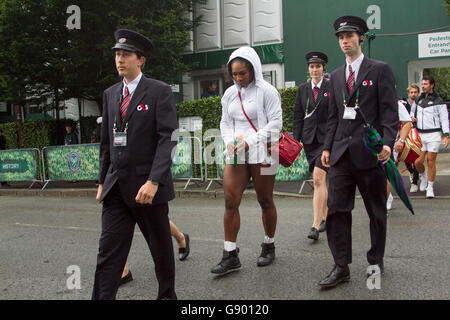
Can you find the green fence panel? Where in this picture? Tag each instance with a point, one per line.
(182, 159)
(297, 172)
(72, 162)
(20, 165)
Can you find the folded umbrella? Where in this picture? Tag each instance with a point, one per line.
(374, 143)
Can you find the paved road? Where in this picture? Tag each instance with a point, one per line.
(41, 237)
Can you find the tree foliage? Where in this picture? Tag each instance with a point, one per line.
(41, 58)
(442, 80)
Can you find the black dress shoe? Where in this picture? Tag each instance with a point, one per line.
(126, 279)
(337, 275)
(323, 226)
(230, 262)
(267, 254)
(184, 252)
(380, 266)
(313, 234)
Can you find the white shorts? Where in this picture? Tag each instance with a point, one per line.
(431, 141)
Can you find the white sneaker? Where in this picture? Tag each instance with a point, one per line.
(423, 182)
(389, 202)
(430, 192)
(414, 188)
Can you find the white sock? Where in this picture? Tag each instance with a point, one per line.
(269, 240)
(430, 184)
(229, 246)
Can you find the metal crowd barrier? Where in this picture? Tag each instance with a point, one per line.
(18, 165)
(187, 157)
(77, 162)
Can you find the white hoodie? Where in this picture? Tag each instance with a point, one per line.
(268, 102)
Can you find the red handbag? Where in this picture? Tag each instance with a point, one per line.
(287, 147)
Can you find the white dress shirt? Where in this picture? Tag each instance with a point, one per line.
(131, 85)
(316, 85)
(355, 67)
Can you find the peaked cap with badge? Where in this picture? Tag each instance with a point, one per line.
(350, 24)
(315, 56)
(132, 41)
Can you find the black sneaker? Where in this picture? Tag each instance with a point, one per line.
(267, 254)
(230, 262)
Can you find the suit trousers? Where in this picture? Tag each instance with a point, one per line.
(118, 223)
(343, 179)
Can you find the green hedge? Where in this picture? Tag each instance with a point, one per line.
(210, 109)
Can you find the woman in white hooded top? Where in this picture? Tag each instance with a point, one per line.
(252, 130)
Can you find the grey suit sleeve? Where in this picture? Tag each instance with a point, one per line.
(166, 123)
(105, 160)
(388, 109)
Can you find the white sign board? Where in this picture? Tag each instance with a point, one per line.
(433, 45)
(190, 124)
(3, 107)
(289, 84)
(175, 88)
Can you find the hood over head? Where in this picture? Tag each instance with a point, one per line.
(249, 54)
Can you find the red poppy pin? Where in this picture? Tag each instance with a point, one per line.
(142, 107)
(367, 83)
(326, 94)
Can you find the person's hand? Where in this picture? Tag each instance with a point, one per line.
(414, 119)
(146, 193)
(241, 146)
(445, 142)
(325, 158)
(384, 155)
(398, 146)
(99, 193)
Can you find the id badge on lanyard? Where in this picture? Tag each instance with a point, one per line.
(119, 138)
(350, 112)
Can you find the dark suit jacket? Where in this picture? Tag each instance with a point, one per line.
(305, 130)
(378, 102)
(147, 155)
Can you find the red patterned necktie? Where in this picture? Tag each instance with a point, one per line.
(351, 79)
(125, 103)
(315, 93)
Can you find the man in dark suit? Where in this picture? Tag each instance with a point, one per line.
(370, 85)
(135, 182)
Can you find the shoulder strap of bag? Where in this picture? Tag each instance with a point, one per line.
(245, 114)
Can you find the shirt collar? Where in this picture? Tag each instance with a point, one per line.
(132, 85)
(356, 64)
(318, 85)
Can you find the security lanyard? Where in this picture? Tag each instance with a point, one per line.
(357, 99)
(115, 126)
(307, 114)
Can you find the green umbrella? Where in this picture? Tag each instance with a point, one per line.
(374, 143)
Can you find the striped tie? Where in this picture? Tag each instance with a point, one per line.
(315, 93)
(125, 103)
(351, 79)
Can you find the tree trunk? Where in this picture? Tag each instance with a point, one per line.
(19, 125)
